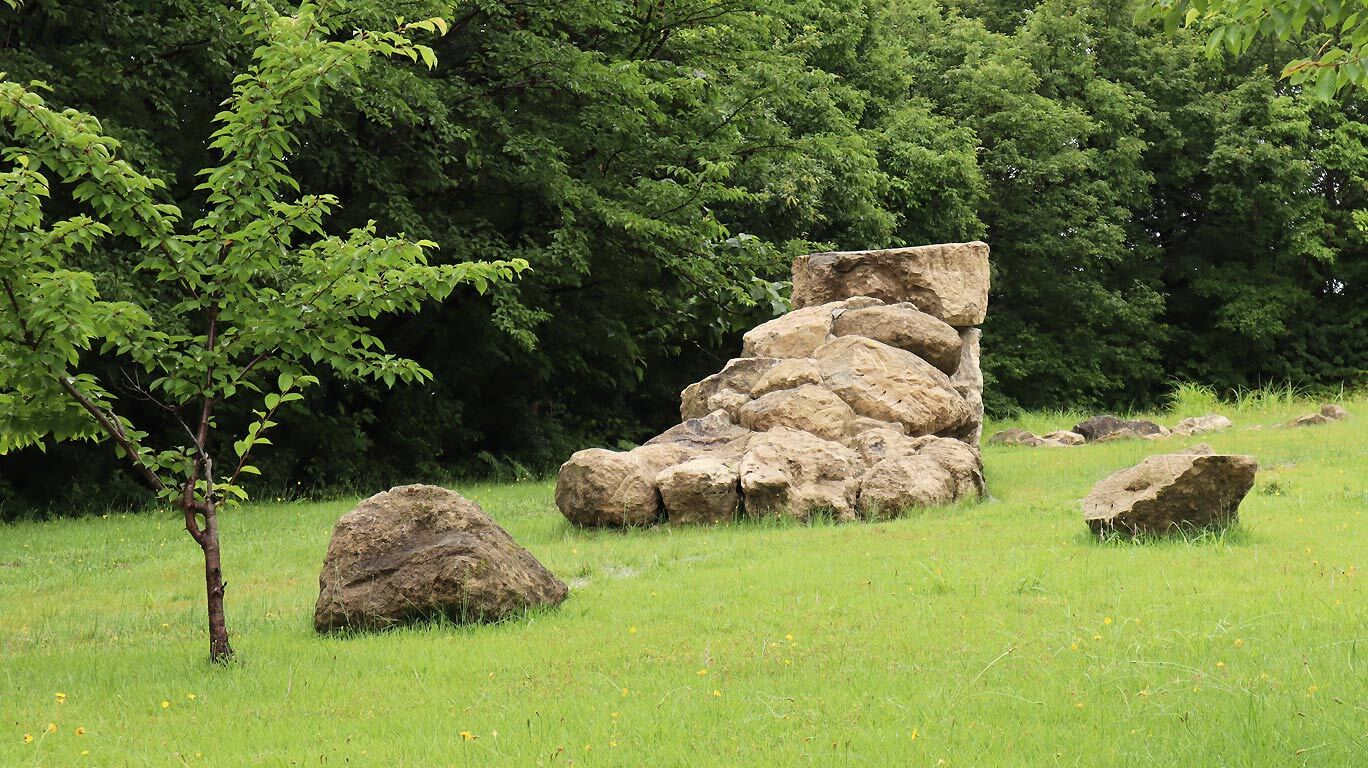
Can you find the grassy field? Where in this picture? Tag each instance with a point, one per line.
(999, 634)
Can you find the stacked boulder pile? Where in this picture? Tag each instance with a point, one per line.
(864, 401)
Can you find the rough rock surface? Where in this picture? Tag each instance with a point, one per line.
(1099, 427)
(1329, 412)
(701, 491)
(905, 327)
(419, 551)
(1171, 492)
(1196, 425)
(968, 381)
(1064, 437)
(793, 473)
(855, 404)
(801, 331)
(948, 281)
(600, 488)
(809, 408)
(891, 384)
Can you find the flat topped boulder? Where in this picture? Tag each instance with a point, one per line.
(947, 281)
(419, 551)
(1171, 492)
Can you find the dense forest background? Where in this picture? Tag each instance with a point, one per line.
(1154, 215)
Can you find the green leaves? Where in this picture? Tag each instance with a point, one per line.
(266, 291)
(1336, 30)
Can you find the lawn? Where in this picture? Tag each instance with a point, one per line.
(997, 634)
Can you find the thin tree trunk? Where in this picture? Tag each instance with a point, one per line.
(219, 649)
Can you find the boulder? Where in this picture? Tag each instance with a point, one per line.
(947, 281)
(891, 384)
(905, 327)
(600, 488)
(419, 551)
(1334, 412)
(700, 491)
(902, 482)
(1099, 427)
(809, 407)
(1014, 436)
(968, 381)
(1064, 437)
(1176, 491)
(963, 462)
(798, 333)
(787, 374)
(1197, 425)
(790, 472)
(1328, 412)
(727, 389)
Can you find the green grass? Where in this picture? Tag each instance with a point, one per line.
(999, 634)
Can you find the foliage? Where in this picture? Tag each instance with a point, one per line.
(1153, 213)
(249, 298)
(1334, 32)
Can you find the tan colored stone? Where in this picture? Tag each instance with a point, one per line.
(798, 333)
(701, 491)
(948, 281)
(602, 488)
(793, 473)
(1197, 425)
(810, 408)
(419, 551)
(905, 327)
(968, 381)
(1064, 437)
(890, 384)
(1171, 492)
(722, 389)
(787, 374)
(898, 483)
(1334, 412)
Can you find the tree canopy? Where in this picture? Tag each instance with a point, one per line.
(1154, 213)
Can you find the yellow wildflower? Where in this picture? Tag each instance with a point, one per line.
(52, 728)
(702, 672)
(166, 704)
(1220, 665)
(80, 731)
(468, 736)
(60, 697)
(716, 692)
(914, 734)
(1107, 621)
(1239, 642)
(28, 738)
(190, 696)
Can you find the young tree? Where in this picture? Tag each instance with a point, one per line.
(1336, 30)
(250, 297)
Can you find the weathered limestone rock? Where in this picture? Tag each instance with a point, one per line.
(1171, 492)
(799, 332)
(1099, 427)
(821, 397)
(1064, 437)
(890, 384)
(1014, 436)
(701, 491)
(1197, 425)
(809, 408)
(905, 327)
(789, 472)
(899, 483)
(968, 381)
(947, 281)
(1329, 412)
(601, 488)
(788, 374)
(722, 390)
(419, 551)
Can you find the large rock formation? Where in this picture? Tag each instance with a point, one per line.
(419, 551)
(865, 400)
(1171, 492)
